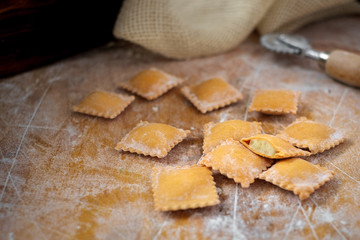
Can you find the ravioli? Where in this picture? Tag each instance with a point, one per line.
(275, 102)
(235, 161)
(103, 104)
(235, 129)
(297, 175)
(211, 94)
(152, 139)
(307, 134)
(179, 188)
(151, 83)
(273, 147)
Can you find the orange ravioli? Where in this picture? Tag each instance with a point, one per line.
(152, 139)
(103, 104)
(273, 147)
(151, 83)
(275, 102)
(235, 129)
(211, 94)
(307, 134)
(235, 161)
(297, 175)
(179, 188)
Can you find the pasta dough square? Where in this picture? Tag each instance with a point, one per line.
(151, 83)
(211, 94)
(103, 104)
(297, 175)
(179, 188)
(273, 147)
(152, 139)
(214, 134)
(275, 102)
(307, 134)
(235, 161)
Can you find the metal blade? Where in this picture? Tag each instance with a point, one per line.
(295, 41)
(272, 42)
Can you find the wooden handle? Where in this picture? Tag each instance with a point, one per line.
(344, 66)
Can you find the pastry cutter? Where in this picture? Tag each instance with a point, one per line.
(339, 64)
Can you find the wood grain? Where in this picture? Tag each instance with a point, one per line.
(60, 177)
(344, 66)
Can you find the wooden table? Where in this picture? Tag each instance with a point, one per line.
(61, 178)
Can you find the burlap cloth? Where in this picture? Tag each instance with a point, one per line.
(193, 28)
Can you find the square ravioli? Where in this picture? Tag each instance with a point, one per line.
(152, 139)
(235, 161)
(307, 134)
(235, 129)
(211, 94)
(273, 147)
(179, 188)
(297, 175)
(103, 104)
(275, 102)
(151, 83)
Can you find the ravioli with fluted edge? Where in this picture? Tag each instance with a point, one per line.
(179, 188)
(273, 147)
(275, 101)
(307, 134)
(297, 175)
(211, 94)
(103, 104)
(151, 83)
(235, 161)
(214, 134)
(152, 139)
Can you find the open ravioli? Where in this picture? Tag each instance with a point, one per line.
(153, 139)
(179, 188)
(103, 104)
(151, 83)
(307, 134)
(273, 147)
(214, 134)
(297, 175)
(211, 94)
(235, 161)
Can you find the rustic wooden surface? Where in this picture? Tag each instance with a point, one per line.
(60, 177)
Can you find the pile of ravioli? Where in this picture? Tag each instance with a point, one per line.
(235, 148)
